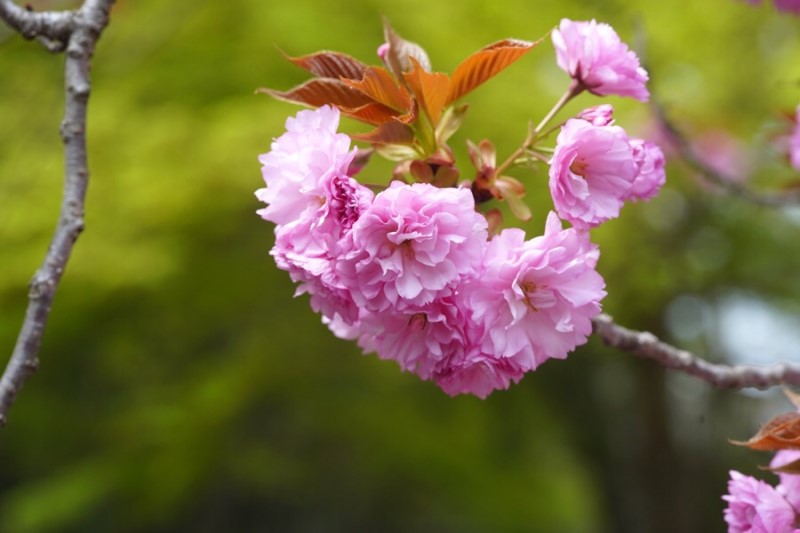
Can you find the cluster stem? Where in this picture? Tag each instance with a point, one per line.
(534, 134)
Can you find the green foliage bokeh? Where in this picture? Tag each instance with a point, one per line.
(182, 388)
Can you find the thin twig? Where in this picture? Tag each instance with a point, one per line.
(691, 157)
(646, 345)
(84, 27)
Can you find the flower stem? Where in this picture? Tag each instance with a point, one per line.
(574, 90)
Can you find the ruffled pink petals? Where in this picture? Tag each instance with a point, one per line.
(650, 173)
(756, 507)
(591, 173)
(599, 115)
(299, 160)
(412, 243)
(536, 299)
(593, 55)
(789, 485)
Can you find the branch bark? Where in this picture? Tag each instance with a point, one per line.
(79, 30)
(646, 345)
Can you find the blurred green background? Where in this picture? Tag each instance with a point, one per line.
(181, 386)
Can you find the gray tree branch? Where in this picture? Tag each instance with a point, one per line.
(646, 345)
(80, 30)
(51, 28)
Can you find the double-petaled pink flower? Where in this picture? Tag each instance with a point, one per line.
(314, 203)
(650, 173)
(534, 300)
(591, 173)
(413, 243)
(595, 57)
(595, 168)
(757, 507)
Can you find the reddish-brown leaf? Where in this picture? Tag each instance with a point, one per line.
(485, 64)
(321, 91)
(392, 132)
(379, 85)
(327, 64)
(780, 433)
(401, 51)
(372, 113)
(429, 88)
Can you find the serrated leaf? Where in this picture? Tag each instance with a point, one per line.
(321, 91)
(378, 84)
(400, 52)
(780, 433)
(327, 64)
(429, 88)
(485, 64)
(372, 113)
(391, 132)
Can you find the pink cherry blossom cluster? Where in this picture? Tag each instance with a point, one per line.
(410, 272)
(758, 507)
(596, 167)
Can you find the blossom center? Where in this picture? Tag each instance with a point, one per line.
(418, 321)
(579, 168)
(529, 289)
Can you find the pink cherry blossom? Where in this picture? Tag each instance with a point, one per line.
(599, 115)
(478, 374)
(794, 142)
(789, 485)
(756, 507)
(299, 161)
(591, 173)
(650, 174)
(424, 340)
(534, 300)
(593, 55)
(412, 243)
(314, 203)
